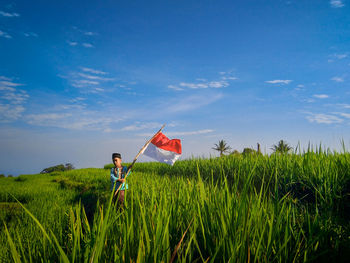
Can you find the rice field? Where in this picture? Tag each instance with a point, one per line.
(254, 208)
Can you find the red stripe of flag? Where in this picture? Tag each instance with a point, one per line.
(163, 142)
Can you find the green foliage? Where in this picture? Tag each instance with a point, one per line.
(247, 151)
(58, 168)
(259, 208)
(20, 179)
(2, 175)
(281, 147)
(108, 166)
(222, 147)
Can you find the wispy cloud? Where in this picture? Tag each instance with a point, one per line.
(141, 126)
(88, 45)
(279, 81)
(191, 103)
(211, 84)
(30, 34)
(344, 114)
(11, 100)
(205, 85)
(88, 80)
(185, 133)
(94, 71)
(180, 133)
(338, 79)
(202, 83)
(337, 57)
(75, 119)
(345, 106)
(89, 33)
(173, 87)
(336, 3)
(5, 35)
(320, 96)
(5, 14)
(72, 43)
(9, 112)
(94, 77)
(323, 118)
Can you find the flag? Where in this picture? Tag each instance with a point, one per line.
(164, 150)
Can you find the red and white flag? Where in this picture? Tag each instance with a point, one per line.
(163, 149)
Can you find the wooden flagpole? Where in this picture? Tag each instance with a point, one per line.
(139, 153)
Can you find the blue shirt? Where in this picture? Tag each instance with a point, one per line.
(114, 178)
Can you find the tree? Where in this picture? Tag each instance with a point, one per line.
(58, 168)
(69, 166)
(281, 147)
(221, 147)
(247, 151)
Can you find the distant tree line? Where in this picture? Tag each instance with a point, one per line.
(281, 147)
(58, 168)
(2, 175)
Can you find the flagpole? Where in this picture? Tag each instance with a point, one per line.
(139, 153)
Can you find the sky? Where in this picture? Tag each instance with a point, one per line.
(81, 80)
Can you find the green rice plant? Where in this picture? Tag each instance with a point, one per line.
(259, 208)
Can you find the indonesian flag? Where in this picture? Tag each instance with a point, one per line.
(163, 149)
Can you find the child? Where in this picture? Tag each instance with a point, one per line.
(118, 176)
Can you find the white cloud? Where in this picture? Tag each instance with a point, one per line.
(75, 119)
(11, 100)
(336, 3)
(211, 84)
(142, 126)
(191, 103)
(321, 96)
(83, 82)
(218, 84)
(180, 133)
(10, 112)
(173, 87)
(323, 118)
(89, 33)
(341, 56)
(194, 85)
(87, 76)
(338, 79)
(87, 45)
(5, 35)
(9, 83)
(345, 115)
(345, 106)
(279, 81)
(205, 84)
(300, 86)
(72, 43)
(229, 78)
(184, 133)
(2, 13)
(94, 71)
(30, 34)
(40, 119)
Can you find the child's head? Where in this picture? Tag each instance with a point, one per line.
(117, 159)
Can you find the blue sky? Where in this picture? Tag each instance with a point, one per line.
(80, 81)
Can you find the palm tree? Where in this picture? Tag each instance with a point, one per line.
(281, 147)
(222, 147)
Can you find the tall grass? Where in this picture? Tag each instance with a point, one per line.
(280, 208)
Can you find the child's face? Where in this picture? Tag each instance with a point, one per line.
(117, 162)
